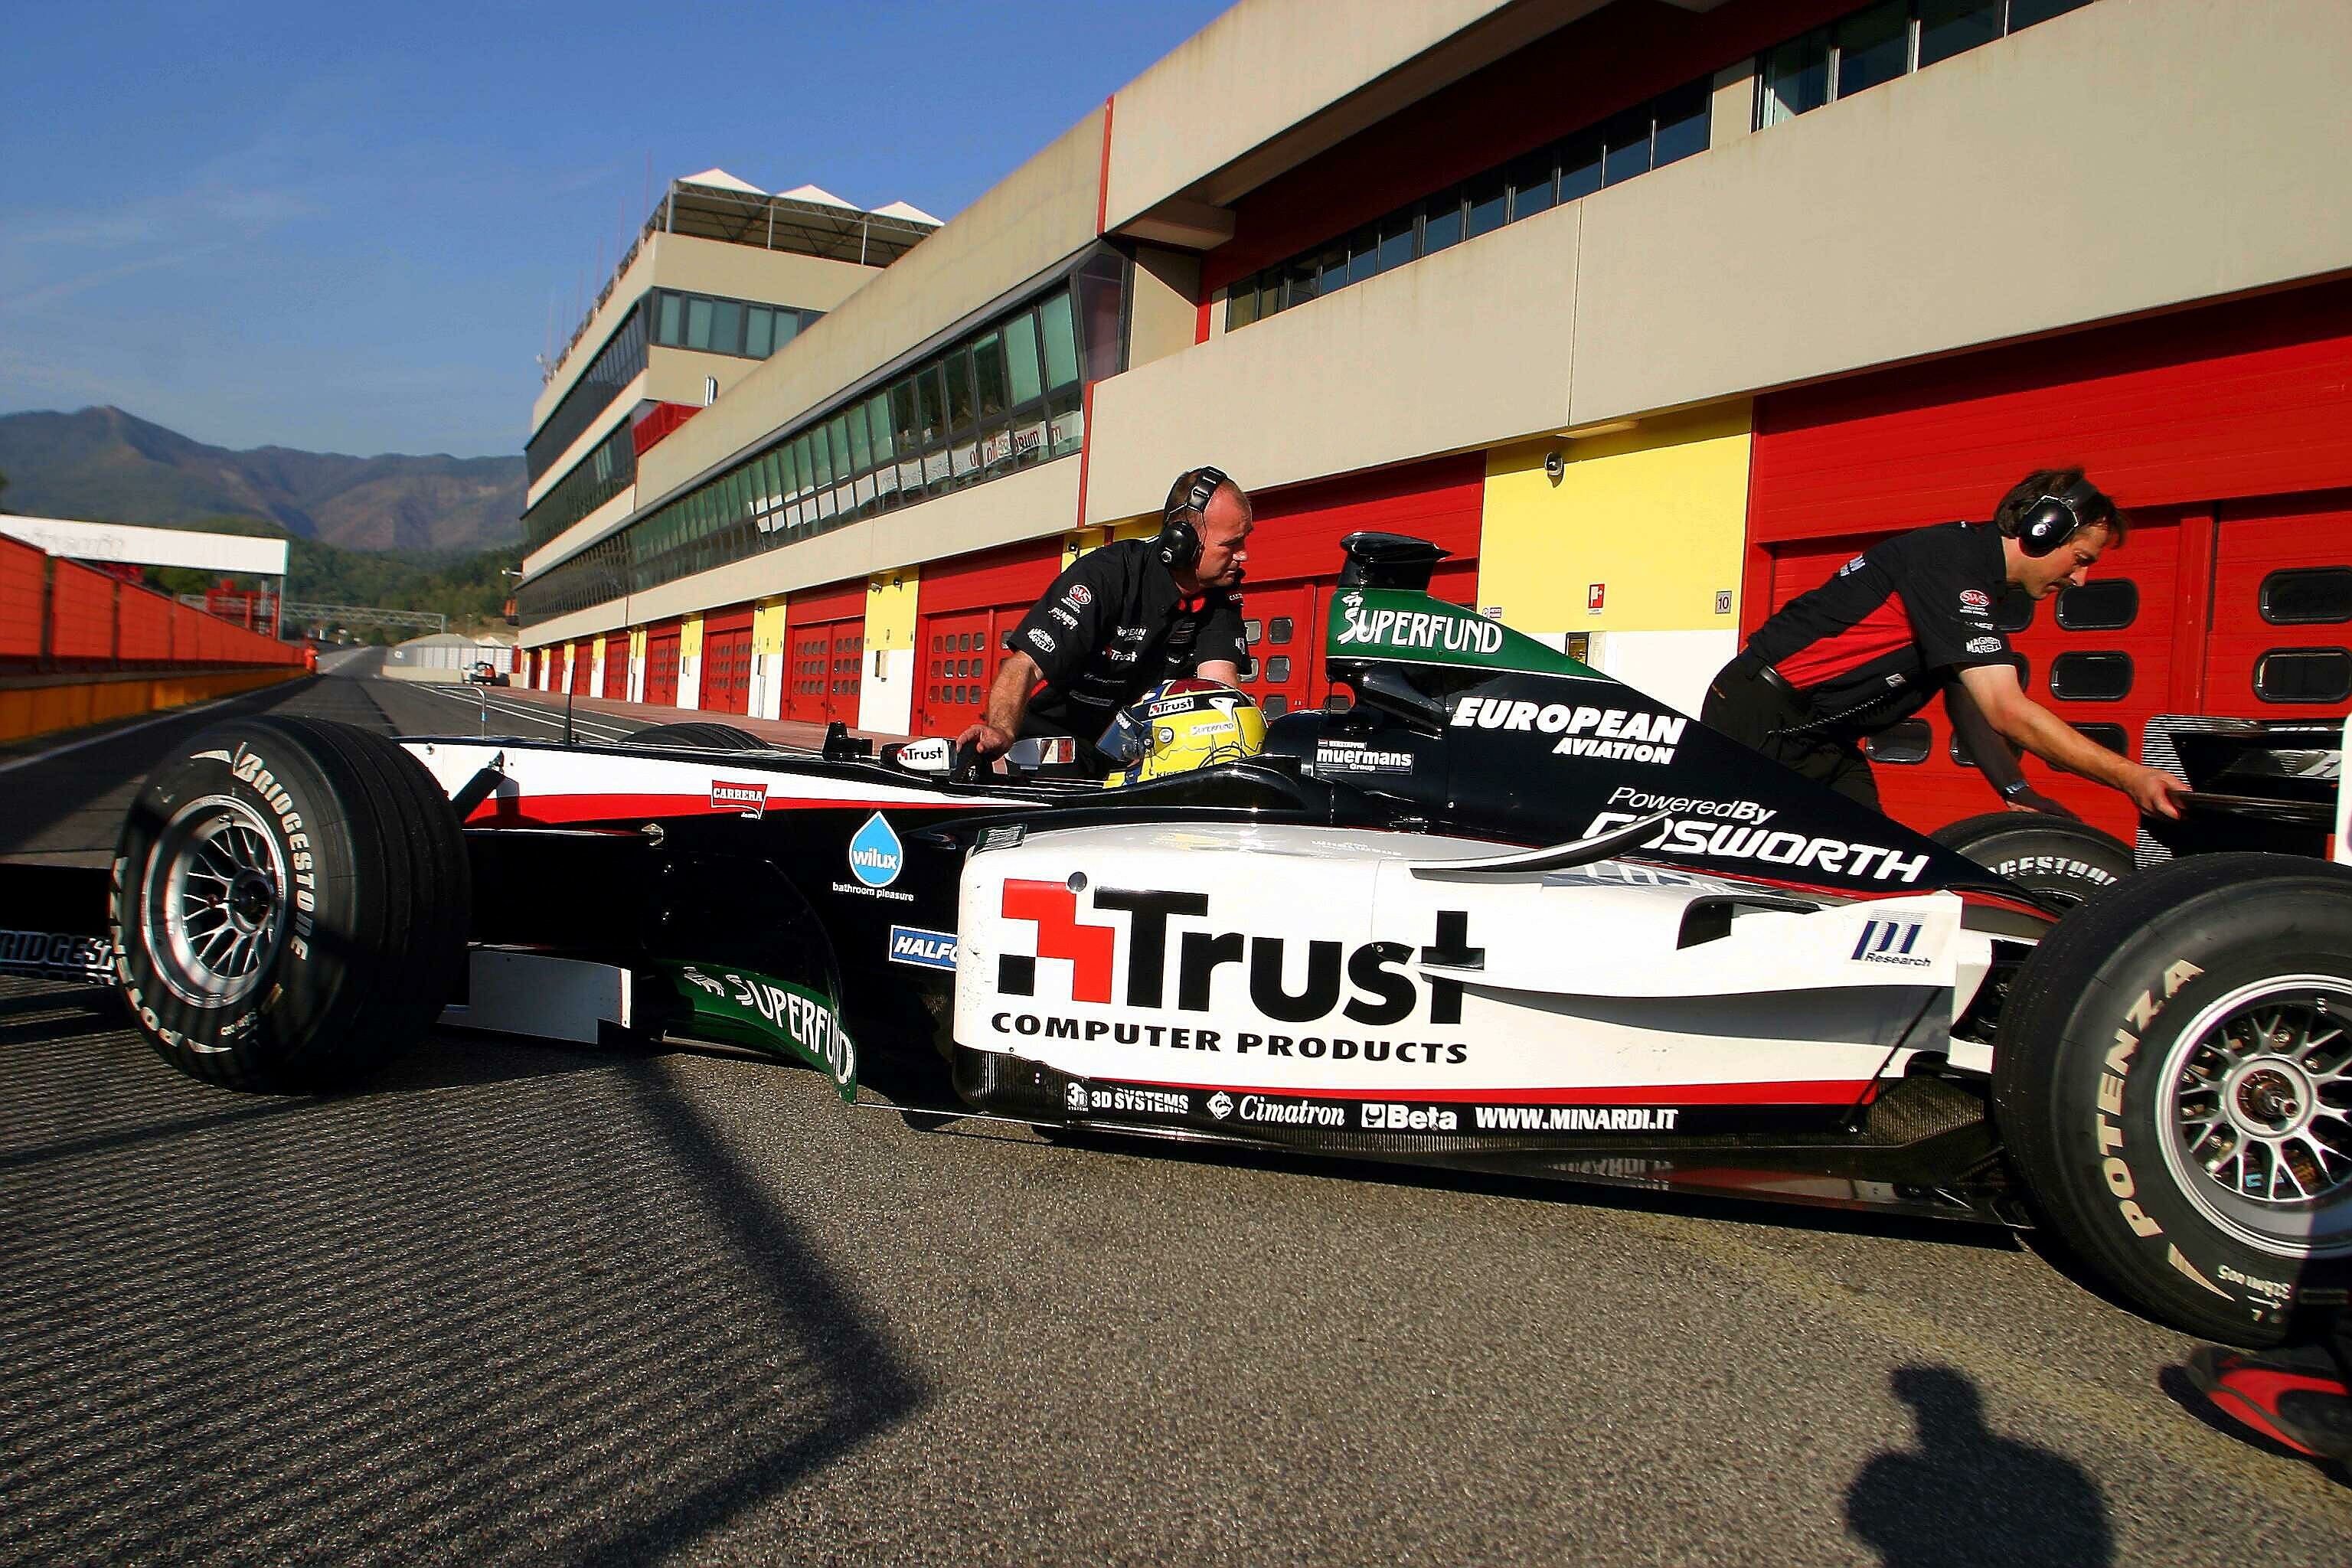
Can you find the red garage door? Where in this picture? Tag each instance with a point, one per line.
(726, 663)
(661, 665)
(967, 609)
(617, 667)
(1294, 561)
(2225, 433)
(826, 648)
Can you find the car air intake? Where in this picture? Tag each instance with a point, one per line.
(1388, 560)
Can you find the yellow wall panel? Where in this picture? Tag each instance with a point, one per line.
(690, 638)
(768, 627)
(1656, 513)
(890, 609)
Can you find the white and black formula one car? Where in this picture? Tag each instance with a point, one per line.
(1502, 914)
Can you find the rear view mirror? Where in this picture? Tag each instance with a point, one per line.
(1041, 751)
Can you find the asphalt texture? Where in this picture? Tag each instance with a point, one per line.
(523, 1303)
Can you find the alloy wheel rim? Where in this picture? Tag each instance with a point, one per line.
(2257, 1114)
(216, 904)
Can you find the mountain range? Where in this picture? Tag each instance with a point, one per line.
(103, 464)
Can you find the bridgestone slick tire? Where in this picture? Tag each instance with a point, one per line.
(708, 736)
(289, 904)
(2069, 863)
(2096, 1077)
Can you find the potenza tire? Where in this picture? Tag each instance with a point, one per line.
(702, 737)
(2174, 1082)
(2068, 863)
(289, 904)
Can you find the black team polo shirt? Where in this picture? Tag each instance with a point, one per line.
(1112, 626)
(1865, 645)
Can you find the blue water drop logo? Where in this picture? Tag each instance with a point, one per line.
(875, 854)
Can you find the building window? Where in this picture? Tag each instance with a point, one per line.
(617, 364)
(2311, 596)
(2111, 736)
(1879, 43)
(1902, 745)
(2303, 675)
(2108, 605)
(2091, 676)
(1668, 128)
(1005, 396)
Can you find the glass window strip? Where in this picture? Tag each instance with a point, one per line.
(824, 477)
(1668, 128)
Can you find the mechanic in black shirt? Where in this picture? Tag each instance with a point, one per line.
(1121, 619)
(1913, 614)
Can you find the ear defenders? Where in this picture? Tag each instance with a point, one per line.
(1178, 545)
(2054, 518)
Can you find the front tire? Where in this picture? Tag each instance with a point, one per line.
(289, 903)
(2067, 863)
(2174, 1081)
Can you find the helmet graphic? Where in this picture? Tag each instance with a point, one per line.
(1179, 725)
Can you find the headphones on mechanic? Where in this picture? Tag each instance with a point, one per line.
(2055, 517)
(1178, 543)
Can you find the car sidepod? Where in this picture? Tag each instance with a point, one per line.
(1342, 990)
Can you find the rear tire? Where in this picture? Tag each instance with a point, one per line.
(289, 901)
(702, 736)
(2174, 1081)
(2067, 863)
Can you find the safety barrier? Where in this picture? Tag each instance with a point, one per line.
(58, 617)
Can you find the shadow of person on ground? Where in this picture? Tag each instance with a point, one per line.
(1968, 1495)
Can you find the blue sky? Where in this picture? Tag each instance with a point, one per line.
(341, 226)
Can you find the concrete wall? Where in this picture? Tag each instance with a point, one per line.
(1263, 68)
(1459, 349)
(1041, 212)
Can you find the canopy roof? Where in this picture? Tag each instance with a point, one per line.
(808, 219)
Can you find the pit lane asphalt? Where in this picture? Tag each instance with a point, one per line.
(516, 1302)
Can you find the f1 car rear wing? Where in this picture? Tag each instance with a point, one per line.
(2274, 785)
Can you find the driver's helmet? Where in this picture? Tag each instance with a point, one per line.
(1179, 725)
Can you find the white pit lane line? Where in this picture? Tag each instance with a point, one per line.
(595, 727)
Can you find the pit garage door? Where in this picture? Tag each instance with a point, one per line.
(967, 610)
(2280, 644)
(2225, 433)
(824, 651)
(661, 665)
(726, 663)
(617, 667)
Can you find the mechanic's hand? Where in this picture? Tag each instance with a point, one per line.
(991, 740)
(2035, 800)
(2157, 793)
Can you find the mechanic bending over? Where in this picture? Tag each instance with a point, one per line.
(1121, 619)
(1913, 614)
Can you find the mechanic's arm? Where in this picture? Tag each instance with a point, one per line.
(1223, 671)
(1008, 699)
(2034, 727)
(1990, 752)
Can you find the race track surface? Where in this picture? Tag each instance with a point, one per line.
(521, 1303)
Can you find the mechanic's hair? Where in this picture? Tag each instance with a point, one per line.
(1181, 490)
(2096, 508)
